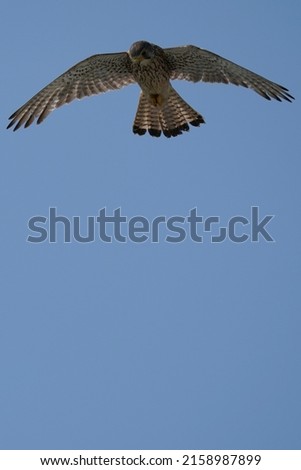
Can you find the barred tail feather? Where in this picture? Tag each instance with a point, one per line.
(173, 118)
(147, 118)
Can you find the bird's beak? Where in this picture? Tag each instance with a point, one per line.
(137, 59)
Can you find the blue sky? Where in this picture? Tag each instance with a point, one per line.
(151, 345)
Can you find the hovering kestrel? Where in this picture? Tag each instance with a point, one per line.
(160, 108)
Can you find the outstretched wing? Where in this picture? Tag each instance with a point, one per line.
(97, 74)
(195, 64)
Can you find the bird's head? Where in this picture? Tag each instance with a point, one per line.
(141, 50)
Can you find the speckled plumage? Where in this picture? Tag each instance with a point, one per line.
(160, 108)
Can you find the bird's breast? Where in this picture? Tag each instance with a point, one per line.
(152, 76)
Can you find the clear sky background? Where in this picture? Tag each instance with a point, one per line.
(143, 346)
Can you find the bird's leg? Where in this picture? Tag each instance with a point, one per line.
(157, 100)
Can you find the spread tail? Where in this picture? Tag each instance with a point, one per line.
(172, 118)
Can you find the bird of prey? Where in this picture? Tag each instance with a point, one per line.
(160, 108)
